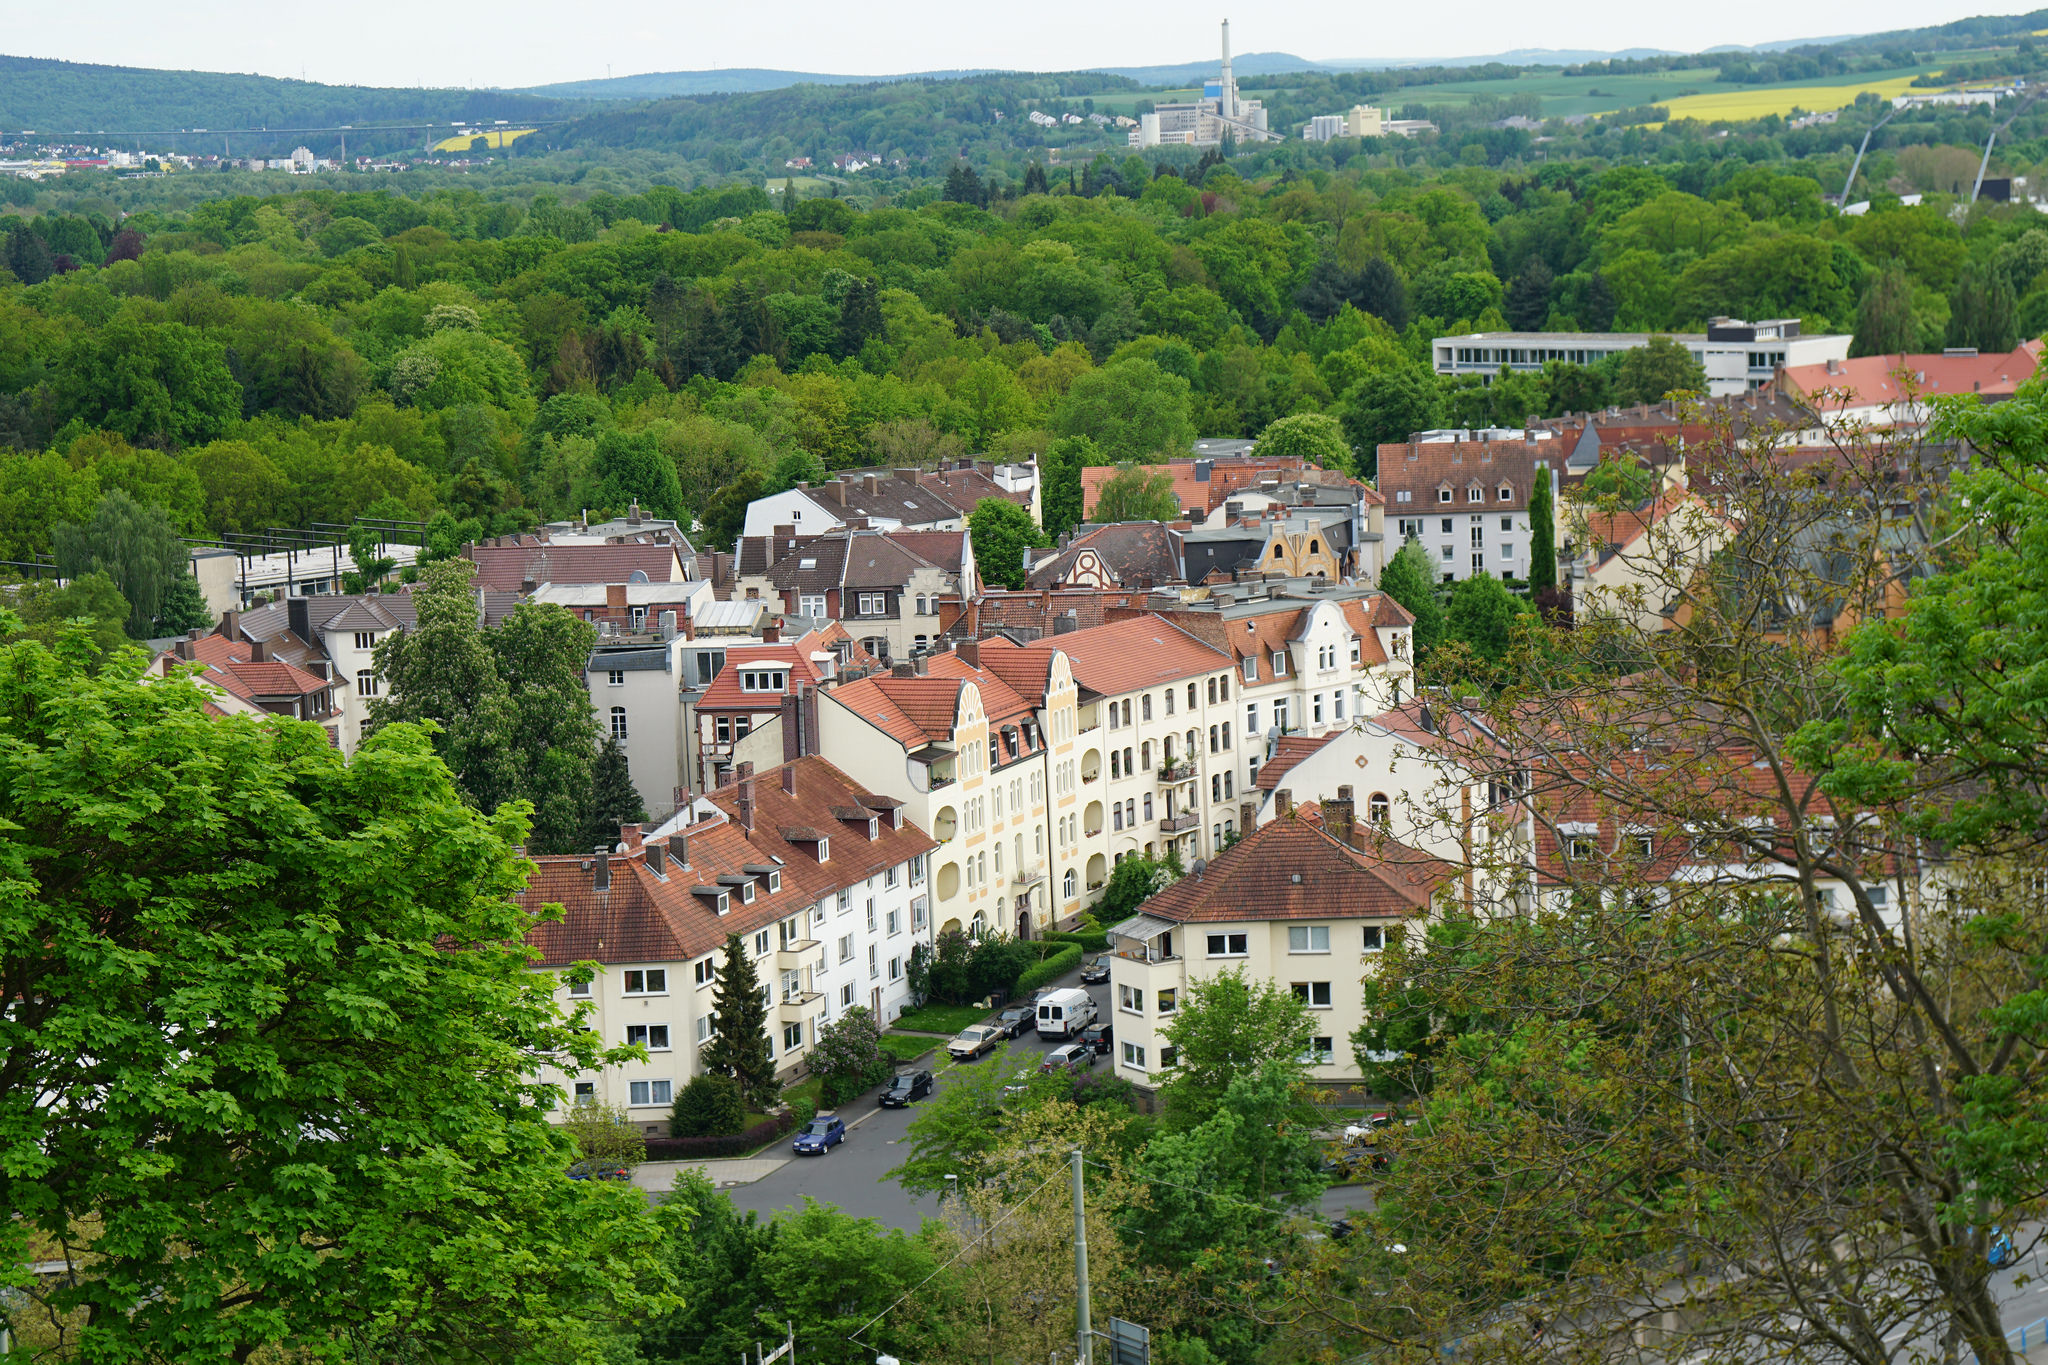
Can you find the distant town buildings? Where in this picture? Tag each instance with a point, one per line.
(1363, 120)
(1737, 355)
(1205, 122)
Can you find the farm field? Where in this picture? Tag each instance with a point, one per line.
(1749, 102)
(494, 138)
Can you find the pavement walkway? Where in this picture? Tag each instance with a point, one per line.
(659, 1177)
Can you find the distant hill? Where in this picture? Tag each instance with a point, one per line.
(58, 98)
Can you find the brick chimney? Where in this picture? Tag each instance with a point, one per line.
(679, 849)
(601, 869)
(745, 774)
(789, 774)
(629, 835)
(1283, 802)
(1339, 815)
(657, 860)
(259, 652)
(872, 483)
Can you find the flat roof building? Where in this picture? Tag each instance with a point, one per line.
(1736, 355)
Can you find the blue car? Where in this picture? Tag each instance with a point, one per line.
(2001, 1253)
(820, 1135)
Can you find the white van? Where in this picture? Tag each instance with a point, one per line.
(1064, 1013)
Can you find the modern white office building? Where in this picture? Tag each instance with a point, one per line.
(1736, 355)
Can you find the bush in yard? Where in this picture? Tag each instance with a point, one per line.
(709, 1106)
(604, 1133)
(848, 1058)
(1051, 969)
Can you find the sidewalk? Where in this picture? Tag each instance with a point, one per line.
(659, 1177)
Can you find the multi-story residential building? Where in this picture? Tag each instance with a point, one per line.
(823, 881)
(877, 583)
(1467, 502)
(996, 778)
(1129, 554)
(1736, 355)
(938, 499)
(629, 607)
(1891, 391)
(1309, 659)
(245, 679)
(1158, 689)
(1307, 901)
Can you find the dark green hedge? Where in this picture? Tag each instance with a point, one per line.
(1050, 969)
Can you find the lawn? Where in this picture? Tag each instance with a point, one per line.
(946, 1019)
(906, 1047)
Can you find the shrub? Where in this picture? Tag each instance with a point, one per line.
(848, 1057)
(736, 1144)
(709, 1106)
(604, 1133)
(1089, 941)
(1051, 969)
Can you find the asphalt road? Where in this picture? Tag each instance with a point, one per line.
(851, 1175)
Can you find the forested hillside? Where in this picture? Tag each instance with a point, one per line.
(317, 356)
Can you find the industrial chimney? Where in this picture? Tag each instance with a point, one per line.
(1226, 103)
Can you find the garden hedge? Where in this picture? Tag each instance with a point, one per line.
(1050, 969)
(734, 1144)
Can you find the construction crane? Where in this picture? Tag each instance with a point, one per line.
(1857, 164)
(2031, 96)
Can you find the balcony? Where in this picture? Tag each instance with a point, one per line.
(795, 946)
(1174, 824)
(1182, 771)
(796, 1005)
(1028, 874)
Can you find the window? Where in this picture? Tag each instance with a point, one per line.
(1316, 708)
(891, 876)
(1321, 1051)
(916, 869)
(761, 680)
(846, 996)
(1279, 664)
(653, 1037)
(1507, 549)
(639, 617)
(1405, 495)
(895, 922)
(1646, 847)
(618, 722)
(845, 901)
(1145, 755)
(746, 893)
(846, 948)
(1148, 807)
(1447, 555)
(1443, 495)
(706, 971)
(1507, 523)
(1251, 718)
(722, 729)
(1251, 668)
(1168, 1056)
(1314, 994)
(579, 990)
(1375, 938)
(895, 968)
(650, 1092)
(1280, 714)
(1134, 1056)
(1167, 1000)
(871, 914)
(1229, 945)
(1505, 493)
(586, 1092)
(366, 682)
(874, 962)
(653, 982)
(1069, 886)
(703, 1028)
(1308, 938)
(615, 677)
(1479, 563)
(792, 1037)
(1169, 701)
(1377, 809)
(811, 604)
(1337, 705)
(1580, 848)
(872, 603)
(366, 639)
(1475, 494)
(1130, 999)
(1145, 707)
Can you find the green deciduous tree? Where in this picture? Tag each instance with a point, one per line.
(1059, 468)
(630, 469)
(156, 383)
(957, 1131)
(1483, 616)
(709, 1106)
(739, 1027)
(1312, 436)
(89, 603)
(183, 607)
(324, 1034)
(1656, 369)
(605, 1132)
(541, 651)
(1387, 406)
(1131, 409)
(1136, 492)
(134, 545)
(1231, 1028)
(1001, 532)
(1885, 324)
(847, 1055)
(1410, 579)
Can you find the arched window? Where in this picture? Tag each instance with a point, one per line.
(1068, 884)
(1116, 764)
(1116, 819)
(1145, 707)
(1148, 806)
(1276, 552)
(1145, 755)
(1314, 548)
(618, 722)
(979, 928)
(1377, 809)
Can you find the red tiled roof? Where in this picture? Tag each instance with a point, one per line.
(1289, 752)
(1423, 467)
(1293, 868)
(1900, 378)
(913, 711)
(724, 694)
(506, 567)
(1123, 656)
(1227, 474)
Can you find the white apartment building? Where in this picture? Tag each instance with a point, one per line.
(824, 882)
(1736, 355)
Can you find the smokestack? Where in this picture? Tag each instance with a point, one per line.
(1226, 103)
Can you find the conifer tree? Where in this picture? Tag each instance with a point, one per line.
(183, 608)
(1542, 536)
(739, 1027)
(614, 800)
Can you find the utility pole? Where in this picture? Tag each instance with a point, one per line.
(1083, 1336)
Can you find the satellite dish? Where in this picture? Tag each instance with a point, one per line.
(1201, 866)
(637, 576)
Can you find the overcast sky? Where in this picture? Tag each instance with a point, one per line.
(528, 42)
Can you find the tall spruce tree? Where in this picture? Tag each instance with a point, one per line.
(1410, 579)
(739, 1027)
(614, 800)
(1542, 536)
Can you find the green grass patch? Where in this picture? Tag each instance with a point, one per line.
(903, 1047)
(947, 1019)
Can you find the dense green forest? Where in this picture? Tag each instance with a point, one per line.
(322, 355)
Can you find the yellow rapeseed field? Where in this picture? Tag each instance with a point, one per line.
(494, 138)
(1757, 103)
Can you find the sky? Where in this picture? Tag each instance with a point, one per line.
(529, 42)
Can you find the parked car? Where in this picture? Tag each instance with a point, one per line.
(2001, 1253)
(908, 1087)
(1095, 971)
(820, 1135)
(1100, 1037)
(1069, 1057)
(973, 1041)
(1017, 1018)
(1353, 1163)
(599, 1170)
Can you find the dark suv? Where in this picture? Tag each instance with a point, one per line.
(1099, 1037)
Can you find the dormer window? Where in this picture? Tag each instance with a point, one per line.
(1475, 494)
(824, 850)
(1507, 494)
(722, 903)
(774, 882)
(747, 894)
(1443, 495)
(762, 680)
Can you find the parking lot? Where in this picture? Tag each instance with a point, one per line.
(851, 1175)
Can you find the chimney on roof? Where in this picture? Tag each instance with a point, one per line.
(836, 490)
(629, 835)
(526, 587)
(969, 650)
(746, 796)
(903, 669)
(1834, 366)
(772, 633)
(601, 869)
(657, 860)
(633, 513)
(230, 625)
(1283, 802)
(319, 669)
(789, 775)
(679, 848)
(183, 649)
(872, 483)
(1338, 815)
(259, 651)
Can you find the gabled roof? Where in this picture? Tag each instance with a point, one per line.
(1000, 702)
(1420, 468)
(1287, 754)
(506, 567)
(1124, 656)
(947, 549)
(1882, 380)
(725, 693)
(1036, 612)
(1132, 551)
(1293, 868)
(913, 711)
(785, 824)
